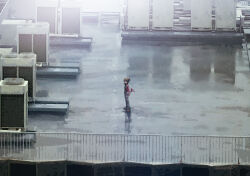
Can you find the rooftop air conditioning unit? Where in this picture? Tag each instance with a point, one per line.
(8, 30)
(34, 38)
(138, 14)
(47, 11)
(70, 18)
(187, 5)
(14, 104)
(22, 9)
(20, 66)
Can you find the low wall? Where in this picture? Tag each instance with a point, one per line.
(65, 168)
(172, 37)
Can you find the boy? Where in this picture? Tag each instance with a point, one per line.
(127, 92)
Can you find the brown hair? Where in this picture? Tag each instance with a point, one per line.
(126, 79)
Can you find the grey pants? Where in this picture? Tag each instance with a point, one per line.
(127, 101)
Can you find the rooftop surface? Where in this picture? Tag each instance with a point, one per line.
(180, 90)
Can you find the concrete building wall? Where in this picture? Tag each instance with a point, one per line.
(64, 168)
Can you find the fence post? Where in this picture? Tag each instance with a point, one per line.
(235, 147)
(39, 149)
(181, 151)
(123, 148)
(152, 154)
(67, 152)
(209, 150)
(95, 147)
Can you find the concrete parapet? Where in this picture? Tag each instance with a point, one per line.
(67, 168)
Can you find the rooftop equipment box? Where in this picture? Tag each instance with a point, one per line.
(47, 11)
(201, 14)
(20, 66)
(8, 31)
(163, 14)
(225, 15)
(138, 14)
(70, 18)
(187, 4)
(23, 9)
(4, 51)
(34, 38)
(14, 104)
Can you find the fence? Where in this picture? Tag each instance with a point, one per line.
(149, 149)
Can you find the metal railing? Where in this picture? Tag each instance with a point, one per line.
(150, 149)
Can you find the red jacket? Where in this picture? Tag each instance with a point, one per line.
(128, 90)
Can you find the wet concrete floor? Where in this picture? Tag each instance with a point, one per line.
(180, 90)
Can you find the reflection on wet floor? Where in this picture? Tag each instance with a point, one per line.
(155, 62)
(200, 63)
(128, 122)
(161, 62)
(224, 63)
